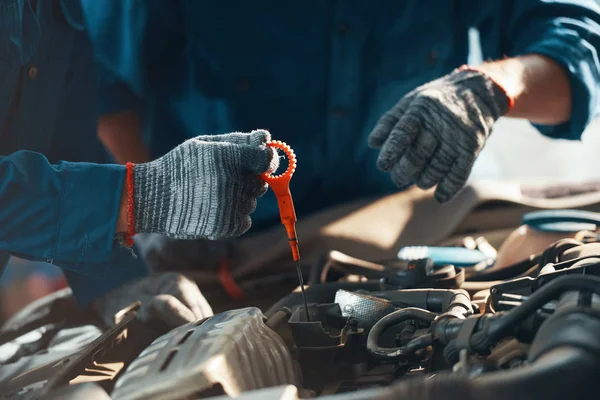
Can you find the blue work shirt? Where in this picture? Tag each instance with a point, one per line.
(63, 213)
(45, 214)
(318, 74)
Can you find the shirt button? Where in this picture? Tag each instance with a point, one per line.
(242, 85)
(340, 111)
(343, 29)
(32, 73)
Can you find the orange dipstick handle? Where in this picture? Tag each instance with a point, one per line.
(281, 187)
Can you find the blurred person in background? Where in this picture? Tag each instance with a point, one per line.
(335, 78)
(68, 213)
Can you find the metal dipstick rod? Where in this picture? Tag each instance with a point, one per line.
(301, 280)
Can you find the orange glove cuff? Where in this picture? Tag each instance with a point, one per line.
(130, 206)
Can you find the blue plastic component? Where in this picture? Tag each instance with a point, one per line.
(457, 256)
(562, 221)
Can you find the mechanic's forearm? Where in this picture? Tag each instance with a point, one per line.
(121, 134)
(539, 87)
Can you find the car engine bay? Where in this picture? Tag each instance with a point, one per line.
(456, 321)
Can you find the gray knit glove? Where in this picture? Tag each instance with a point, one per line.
(434, 134)
(168, 297)
(204, 188)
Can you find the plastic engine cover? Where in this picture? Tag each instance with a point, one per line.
(234, 349)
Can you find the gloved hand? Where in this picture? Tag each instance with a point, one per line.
(434, 134)
(204, 188)
(168, 297)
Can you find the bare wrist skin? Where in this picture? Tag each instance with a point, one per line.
(121, 135)
(122, 218)
(539, 86)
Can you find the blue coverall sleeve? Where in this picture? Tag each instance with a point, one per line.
(567, 31)
(122, 268)
(64, 214)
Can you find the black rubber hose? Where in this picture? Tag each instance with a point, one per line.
(479, 342)
(562, 373)
(395, 318)
(506, 272)
(435, 300)
(555, 250)
(324, 293)
(407, 334)
(550, 291)
(501, 325)
(533, 263)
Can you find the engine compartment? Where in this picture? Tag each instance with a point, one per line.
(422, 327)
(368, 344)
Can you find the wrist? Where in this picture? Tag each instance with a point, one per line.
(130, 206)
(492, 72)
(122, 218)
(150, 199)
(508, 74)
(539, 86)
(126, 218)
(121, 134)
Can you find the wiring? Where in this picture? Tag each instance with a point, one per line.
(394, 318)
(539, 298)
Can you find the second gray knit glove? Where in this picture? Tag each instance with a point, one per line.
(204, 188)
(434, 134)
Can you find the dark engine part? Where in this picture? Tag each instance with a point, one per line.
(229, 353)
(320, 294)
(563, 361)
(430, 323)
(333, 350)
(507, 295)
(480, 333)
(365, 340)
(52, 342)
(392, 274)
(239, 353)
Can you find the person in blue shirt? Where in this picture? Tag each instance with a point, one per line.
(69, 213)
(336, 80)
(73, 214)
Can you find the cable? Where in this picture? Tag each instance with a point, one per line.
(506, 272)
(527, 266)
(500, 325)
(405, 314)
(563, 372)
(555, 250)
(549, 291)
